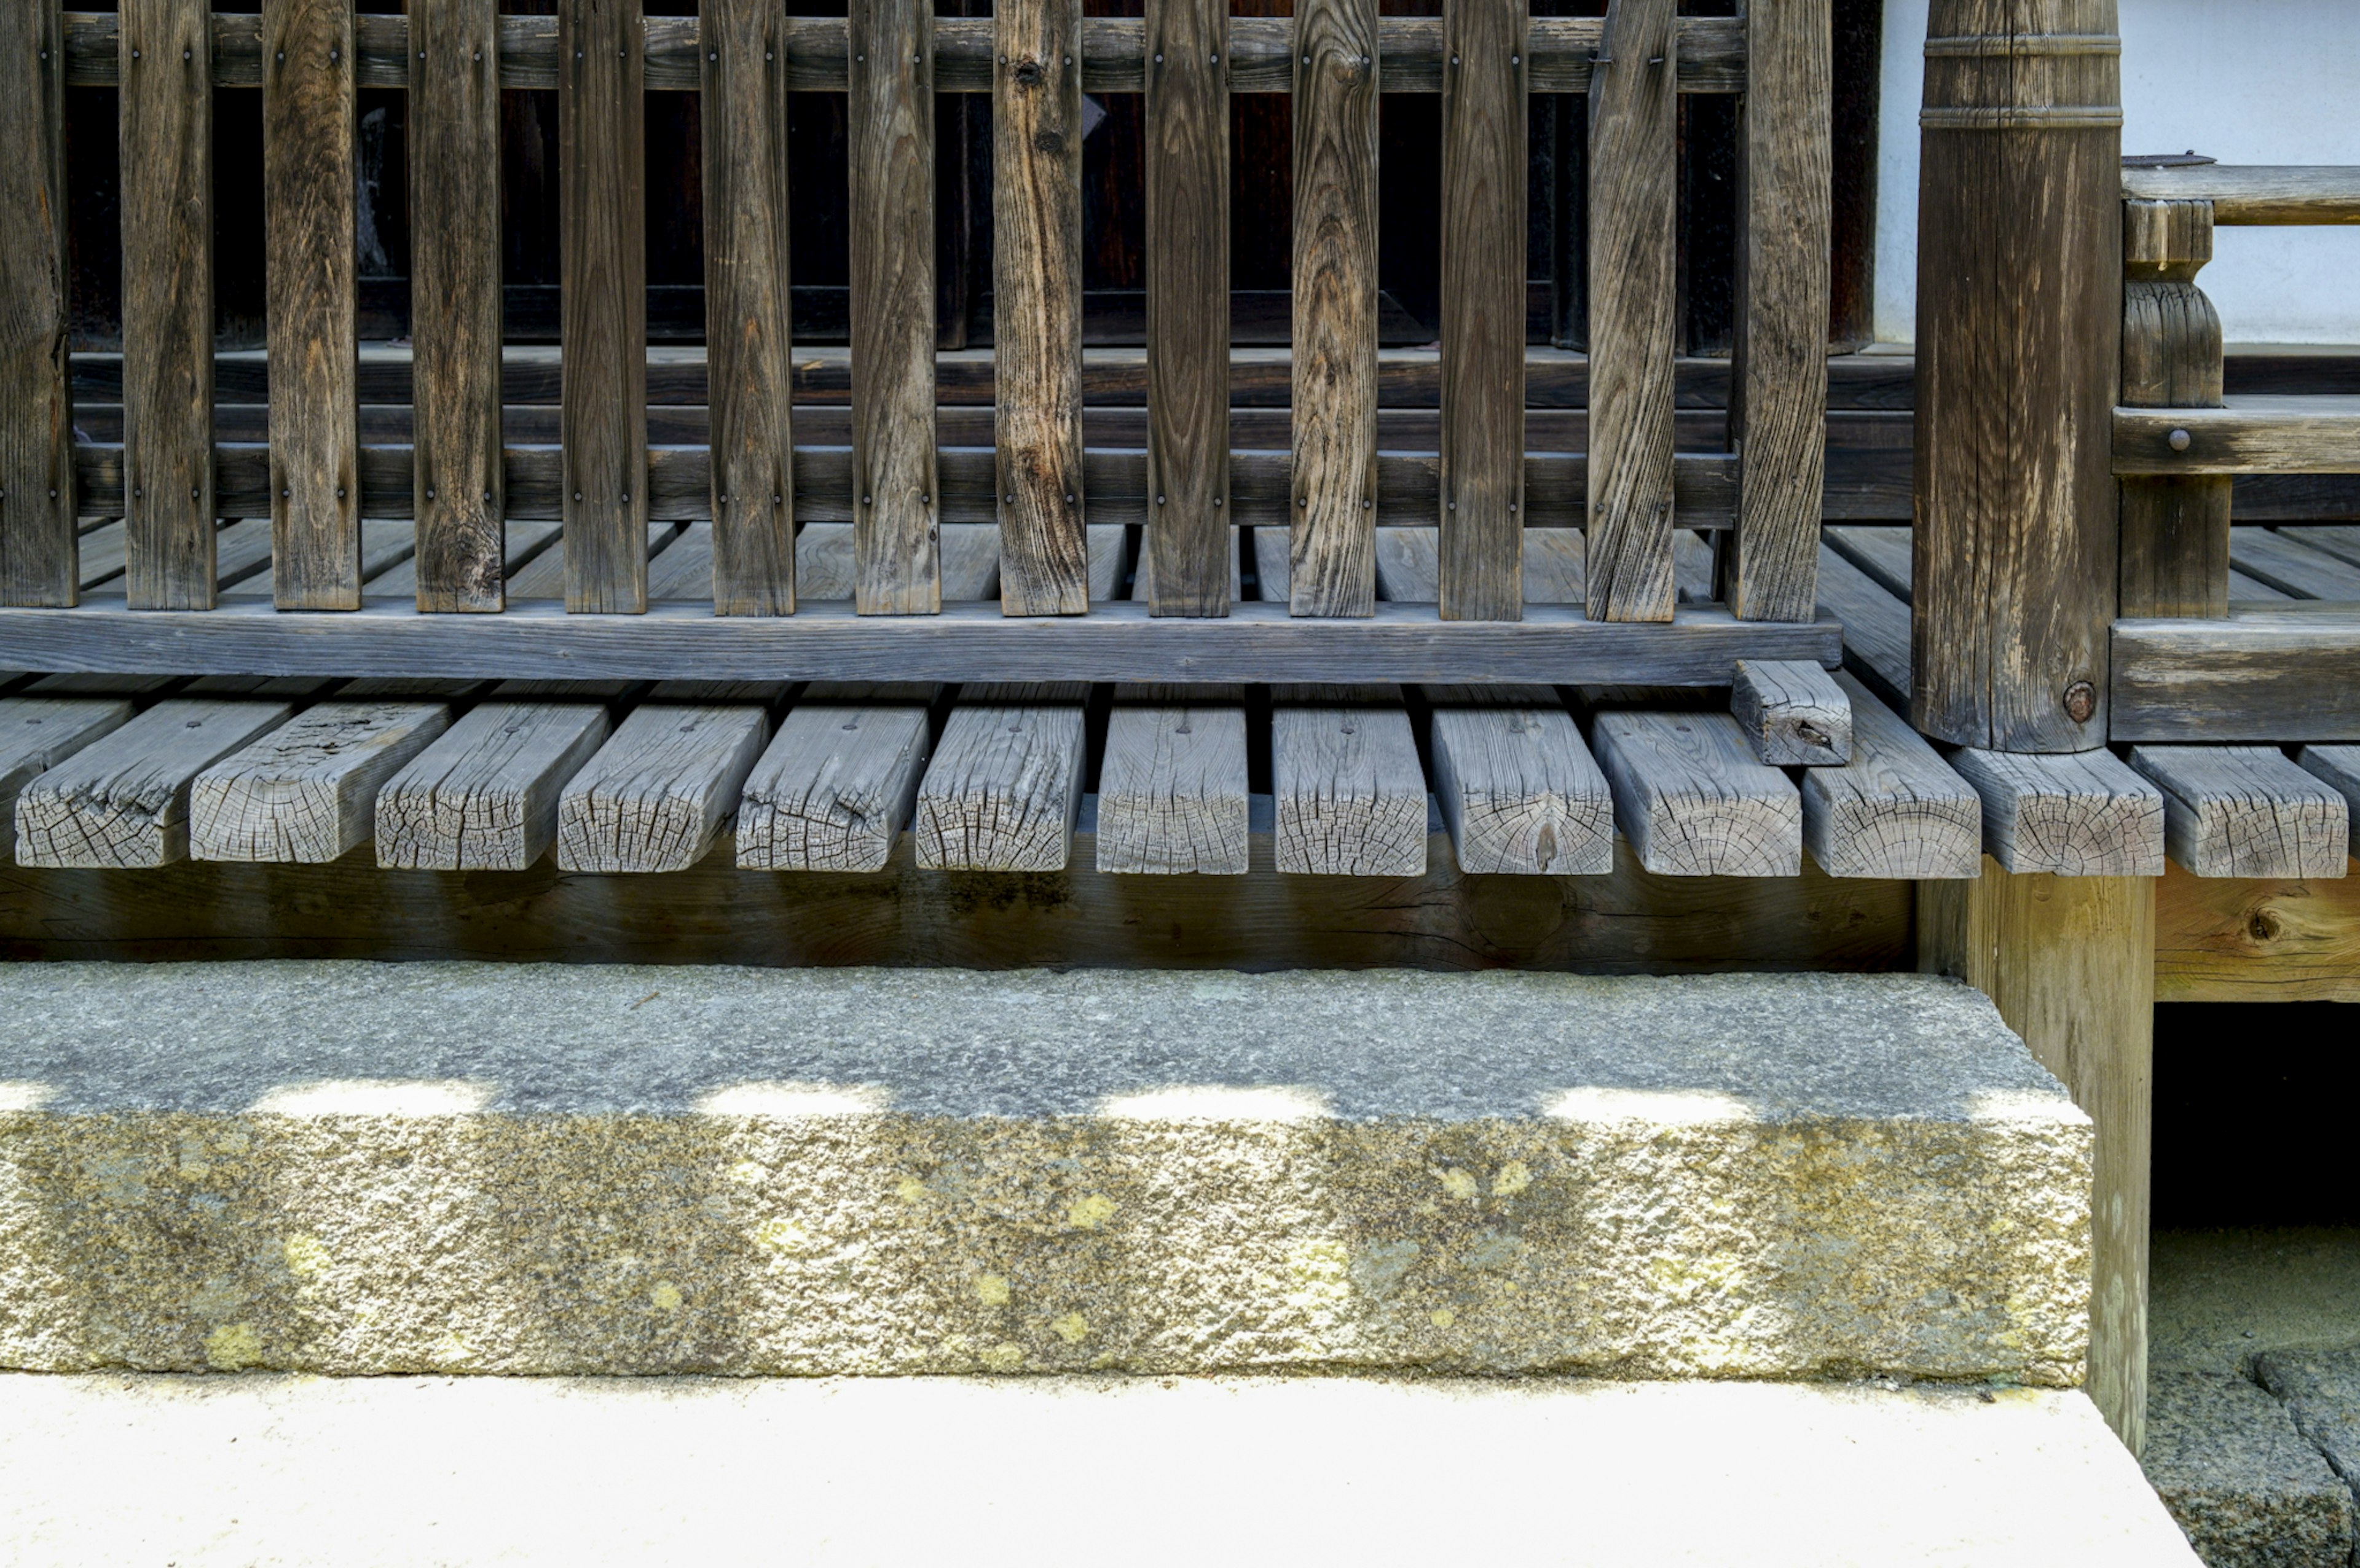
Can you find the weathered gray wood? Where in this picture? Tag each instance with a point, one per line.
(1484, 179)
(1409, 565)
(2175, 528)
(380, 546)
(1274, 570)
(123, 800)
(99, 550)
(834, 789)
(1520, 794)
(1334, 399)
(1881, 551)
(39, 733)
(2317, 434)
(1896, 809)
(1794, 714)
(1349, 795)
(306, 793)
(2341, 540)
(1556, 566)
(1695, 567)
(1108, 545)
(826, 566)
(602, 207)
(2076, 815)
(1036, 272)
(2265, 673)
(751, 375)
(1779, 372)
(165, 126)
(1003, 788)
(546, 575)
(102, 685)
(1143, 583)
(686, 567)
(2245, 811)
(1633, 314)
(484, 797)
(2284, 561)
(525, 542)
(2244, 590)
(1876, 628)
(1692, 800)
(455, 318)
(36, 482)
(1171, 790)
(660, 790)
(2254, 194)
(2337, 767)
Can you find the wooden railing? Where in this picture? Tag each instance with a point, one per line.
(895, 482)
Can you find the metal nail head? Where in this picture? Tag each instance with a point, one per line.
(2178, 440)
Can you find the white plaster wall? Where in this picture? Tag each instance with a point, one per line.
(2241, 80)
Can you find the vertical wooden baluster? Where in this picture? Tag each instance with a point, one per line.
(460, 483)
(1483, 243)
(167, 133)
(897, 516)
(1187, 173)
(38, 562)
(1332, 555)
(2175, 527)
(1778, 378)
(1634, 312)
(749, 366)
(603, 267)
(1036, 197)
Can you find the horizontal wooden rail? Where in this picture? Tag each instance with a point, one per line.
(2251, 435)
(2276, 675)
(2283, 196)
(1262, 53)
(1257, 642)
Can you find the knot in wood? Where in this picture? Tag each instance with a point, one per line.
(1028, 73)
(1049, 142)
(2080, 701)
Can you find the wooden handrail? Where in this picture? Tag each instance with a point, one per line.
(2255, 194)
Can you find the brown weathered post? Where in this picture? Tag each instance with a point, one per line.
(2019, 333)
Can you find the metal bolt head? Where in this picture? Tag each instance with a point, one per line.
(2178, 440)
(2080, 701)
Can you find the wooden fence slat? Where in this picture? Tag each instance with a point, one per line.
(311, 265)
(1779, 379)
(1483, 247)
(751, 372)
(602, 205)
(37, 564)
(1634, 313)
(1187, 178)
(897, 526)
(1036, 107)
(460, 483)
(1332, 542)
(166, 129)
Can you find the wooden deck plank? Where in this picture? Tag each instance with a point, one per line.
(2075, 815)
(659, 792)
(123, 800)
(1879, 550)
(306, 793)
(379, 547)
(1003, 790)
(2245, 811)
(1794, 714)
(2264, 674)
(1274, 566)
(39, 733)
(1171, 790)
(1520, 794)
(547, 573)
(2284, 561)
(37, 538)
(1876, 630)
(484, 797)
(1691, 799)
(1349, 798)
(1895, 808)
(835, 788)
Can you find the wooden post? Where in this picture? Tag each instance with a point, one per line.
(38, 557)
(2175, 527)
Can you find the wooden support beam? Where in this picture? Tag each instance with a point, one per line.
(2245, 811)
(1896, 809)
(1171, 790)
(2079, 814)
(1520, 794)
(1349, 795)
(39, 733)
(2245, 435)
(38, 536)
(2175, 528)
(1004, 787)
(121, 801)
(2273, 674)
(1875, 627)
(484, 797)
(306, 793)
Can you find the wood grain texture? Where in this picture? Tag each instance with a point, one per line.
(1171, 790)
(1880, 551)
(311, 267)
(2175, 528)
(2317, 434)
(750, 368)
(1633, 314)
(2222, 939)
(2069, 963)
(1187, 264)
(1484, 180)
(459, 479)
(2337, 767)
(1794, 715)
(2245, 811)
(1876, 628)
(602, 264)
(484, 797)
(2288, 563)
(307, 791)
(1692, 800)
(1409, 565)
(2079, 814)
(39, 733)
(1331, 568)
(1896, 809)
(37, 564)
(2255, 193)
(1348, 792)
(2278, 674)
(897, 539)
(123, 800)
(1778, 374)
(660, 790)
(1003, 788)
(1036, 107)
(1520, 794)
(165, 125)
(835, 788)
(1143, 574)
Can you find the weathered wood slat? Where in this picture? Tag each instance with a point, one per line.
(123, 800)
(1695, 567)
(2288, 564)
(1634, 315)
(484, 797)
(1273, 550)
(2174, 529)
(306, 793)
(896, 527)
(1794, 715)
(2245, 435)
(1037, 305)
(1003, 788)
(2255, 193)
(1484, 178)
(834, 789)
(660, 792)
(2337, 767)
(602, 178)
(745, 275)
(1143, 584)
(1883, 553)
(546, 575)
(2245, 811)
(1349, 798)
(1778, 374)
(1876, 628)
(1520, 794)
(2272, 674)
(2074, 813)
(1896, 809)
(459, 479)
(165, 125)
(1171, 790)
(684, 569)
(825, 567)
(37, 492)
(1692, 800)
(523, 542)
(1409, 565)
(39, 733)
